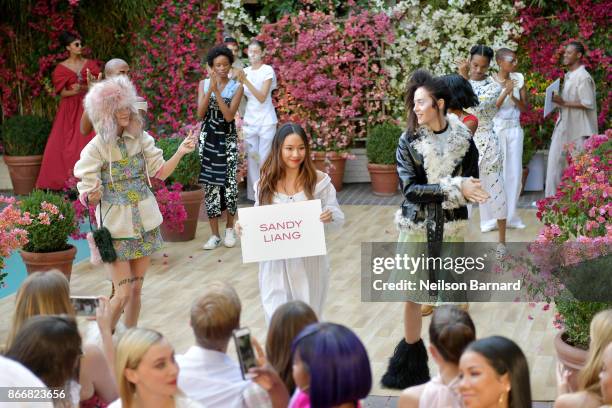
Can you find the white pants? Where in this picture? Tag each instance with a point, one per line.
(258, 144)
(511, 141)
(282, 281)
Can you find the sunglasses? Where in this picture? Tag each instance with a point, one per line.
(78, 44)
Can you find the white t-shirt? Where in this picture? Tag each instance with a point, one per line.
(258, 113)
(15, 375)
(179, 402)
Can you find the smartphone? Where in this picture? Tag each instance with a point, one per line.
(244, 349)
(85, 305)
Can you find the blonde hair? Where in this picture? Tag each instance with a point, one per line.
(42, 293)
(130, 350)
(215, 314)
(601, 336)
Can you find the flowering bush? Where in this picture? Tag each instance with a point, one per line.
(170, 204)
(435, 36)
(329, 80)
(12, 235)
(53, 220)
(575, 244)
(167, 67)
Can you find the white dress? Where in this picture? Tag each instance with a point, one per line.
(507, 126)
(305, 279)
(490, 158)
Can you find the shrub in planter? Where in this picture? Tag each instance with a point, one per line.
(12, 234)
(24, 139)
(382, 142)
(52, 221)
(180, 198)
(25, 135)
(381, 147)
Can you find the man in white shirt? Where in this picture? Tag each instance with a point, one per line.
(15, 376)
(207, 374)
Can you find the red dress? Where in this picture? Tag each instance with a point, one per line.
(65, 141)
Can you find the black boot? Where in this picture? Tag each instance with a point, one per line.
(407, 367)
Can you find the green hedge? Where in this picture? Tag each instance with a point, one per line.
(382, 142)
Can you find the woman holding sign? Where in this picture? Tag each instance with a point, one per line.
(287, 176)
(437, 161)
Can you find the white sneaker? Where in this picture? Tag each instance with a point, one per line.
(230, 238)
(488, 227)
(212, 243)
(518, 225)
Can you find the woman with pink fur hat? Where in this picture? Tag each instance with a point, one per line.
(114, 171)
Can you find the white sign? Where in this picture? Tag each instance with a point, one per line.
(549, 105)
(282, 231)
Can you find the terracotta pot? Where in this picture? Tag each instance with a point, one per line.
(385, 180)
(24, 172)
(192, 200)
(45, 261)
(571, 358)
(525, 175)
(335, 170)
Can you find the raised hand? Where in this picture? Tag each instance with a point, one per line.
(463, 67)
(189, 143)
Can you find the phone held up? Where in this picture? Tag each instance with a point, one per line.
(85, 305)
(244, 349)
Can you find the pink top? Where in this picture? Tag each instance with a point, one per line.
(436, 394)
(302, 400)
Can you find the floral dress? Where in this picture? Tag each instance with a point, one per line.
(218, 150)
(126, 184)
(490, 160)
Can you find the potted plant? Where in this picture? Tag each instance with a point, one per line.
(183, 183)
(381, 147)
(572, 250)
(24, 139)
(12, 234)
(52, 222)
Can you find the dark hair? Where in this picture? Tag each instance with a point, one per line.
(502, 52)
(50, 347)
(217, 51)
(462, 93)
(230, 40)
(287, 322)
(66, 38)
(260, 44)
(451, 330)
(482, 50)
(435, 86)
(506, 357)
(337, 362)
(578, 46)
(273, 168)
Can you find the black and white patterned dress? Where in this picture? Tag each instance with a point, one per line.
(219, 155)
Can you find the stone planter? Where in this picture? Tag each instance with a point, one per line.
(571, 358)
(385, 180)
(192, 200)
(24, 172)
(333, 165)
(46, 261)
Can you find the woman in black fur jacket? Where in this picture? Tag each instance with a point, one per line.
(437, 163)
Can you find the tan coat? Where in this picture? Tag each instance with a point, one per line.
(118, 218)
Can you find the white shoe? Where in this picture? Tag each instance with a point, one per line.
(488, 227)
(518, 225)
(212, 243)
(230, 238)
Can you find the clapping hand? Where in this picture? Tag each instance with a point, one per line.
(104, 315)
(240, 75)
(76, 87)
(213, 82)
(189, 143)
(473, 191)
(463, 66)
(92, 79)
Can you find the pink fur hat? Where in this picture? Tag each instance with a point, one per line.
(107, 97)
